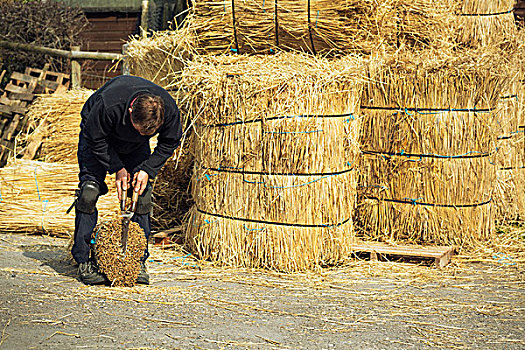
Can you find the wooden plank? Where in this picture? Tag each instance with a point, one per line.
(23, 97)
(23, 77)
(17, 89)
(440, 254)
(12, 109)
(10, 132)
(53, 85)
(33, 147)
(6, 110)
(4, 100)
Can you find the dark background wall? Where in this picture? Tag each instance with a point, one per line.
(111, 24)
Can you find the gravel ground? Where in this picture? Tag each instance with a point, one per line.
(193, 305)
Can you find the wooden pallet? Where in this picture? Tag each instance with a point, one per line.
(441, 255)
(19, 92)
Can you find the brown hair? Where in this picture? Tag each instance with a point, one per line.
(147, 113)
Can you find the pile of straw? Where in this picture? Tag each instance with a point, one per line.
(429, 139)
(161, 57)
(55, 120)
(171, 190)
(122, 270)
(320, 26)
(34, 197)
(485, 23)
(276, 143)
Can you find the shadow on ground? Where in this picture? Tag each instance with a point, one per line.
(55, 256)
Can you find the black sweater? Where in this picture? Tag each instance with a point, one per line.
(107, 128)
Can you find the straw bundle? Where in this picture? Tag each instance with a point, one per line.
(34, 197)
(161, 57)
(429, 140)
(122, 270)
(509, 196)
(276, 141)
(55, 119)
(320, 26)
(485, 23)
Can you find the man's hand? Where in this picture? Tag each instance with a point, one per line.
(122, 178)
(140, 180)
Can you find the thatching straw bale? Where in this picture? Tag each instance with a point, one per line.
(55, 119)
(161, 57)
(320, 26)
(34, 197)
(121, 269)
(429, 139)
(509, 196)
(485, 23)
(276, 143)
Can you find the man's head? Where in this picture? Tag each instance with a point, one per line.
(147, 113)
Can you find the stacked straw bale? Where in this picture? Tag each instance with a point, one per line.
(485, 23)
(276, 143)
(121, 269)
(321, 26)
(55, 120)
(34, 197)
(429, 141)
(161, 57)
(509, 196)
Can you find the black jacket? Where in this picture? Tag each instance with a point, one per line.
(107, 128)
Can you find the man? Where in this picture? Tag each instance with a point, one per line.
(117, 122)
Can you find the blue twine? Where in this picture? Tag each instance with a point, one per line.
(264, 10)
(37, 189)
(413, 200)
(293, 132)
(350, 117)
(207, 176)
(45, 202)
(224, 5)
(206, 222)
(502, 259)
(316, 18)
(94, 239)
(233, 50)
(254, 229)
(284, 187)
(1, 196)
(183, 263)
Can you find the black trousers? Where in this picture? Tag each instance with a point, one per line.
(92, 170)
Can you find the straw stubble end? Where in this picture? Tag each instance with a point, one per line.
(122, 270)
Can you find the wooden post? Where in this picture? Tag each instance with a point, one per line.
(144, 17)
(125, 60)
(76, 77)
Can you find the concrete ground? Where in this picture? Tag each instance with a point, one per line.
(473, 303)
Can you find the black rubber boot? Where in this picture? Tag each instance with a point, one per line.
(143, 277)
(89, 274)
